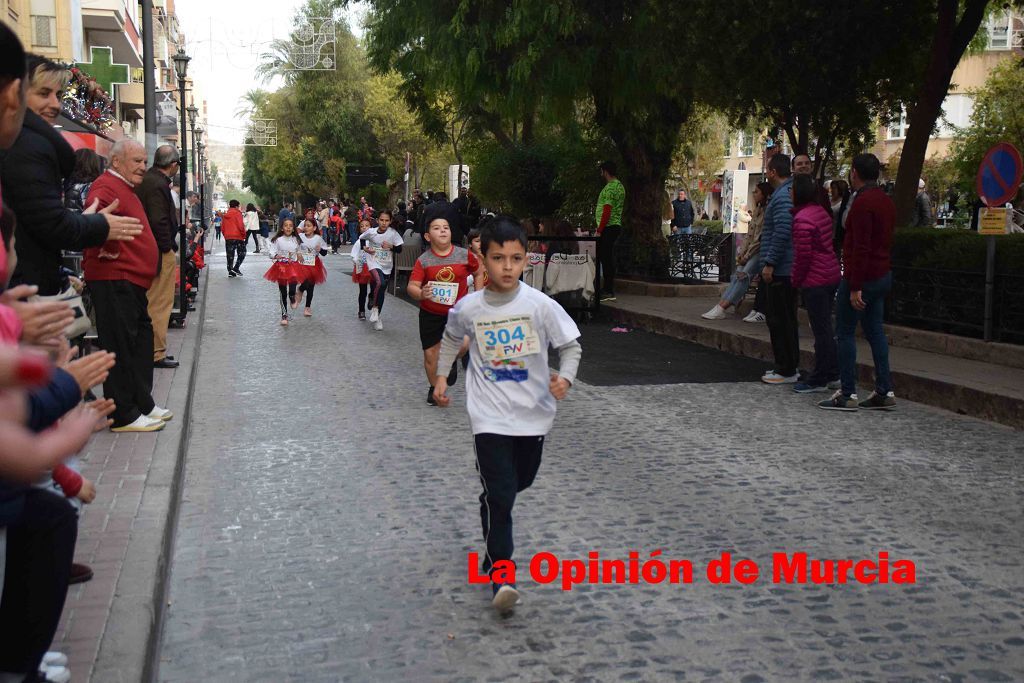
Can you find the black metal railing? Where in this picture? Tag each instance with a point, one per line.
(694, 257)
(953, 301)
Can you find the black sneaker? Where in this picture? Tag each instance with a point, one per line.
(231, 273)
(878, 401)
(840, 401)
(453, 375)
(430, 397)
(362, 315)
(238, 272)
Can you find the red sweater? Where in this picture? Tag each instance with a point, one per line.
(233, 225)
(135, 261)
(868, 241)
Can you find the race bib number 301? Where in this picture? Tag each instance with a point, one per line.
(511, 337)
(444, 293)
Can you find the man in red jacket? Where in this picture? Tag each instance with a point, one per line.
(867, 279)
(119, 274)
(233, 227)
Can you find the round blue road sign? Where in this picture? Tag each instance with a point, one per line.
(999, 174)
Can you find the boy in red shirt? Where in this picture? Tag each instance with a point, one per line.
(438, 281)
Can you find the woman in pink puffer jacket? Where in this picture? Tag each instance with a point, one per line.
(816, 273)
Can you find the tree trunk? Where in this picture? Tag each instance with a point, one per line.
(948, 46)
(642, 250)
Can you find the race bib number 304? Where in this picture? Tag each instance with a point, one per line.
(308, 258)
(444, 293)
(511, 337)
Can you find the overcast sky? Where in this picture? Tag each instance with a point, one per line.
(225, 39)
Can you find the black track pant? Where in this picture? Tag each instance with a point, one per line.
(287, 292)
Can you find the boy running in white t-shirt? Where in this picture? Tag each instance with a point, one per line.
(380, 245)
(511, 392)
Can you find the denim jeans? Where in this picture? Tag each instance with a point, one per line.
(353, 231)
(818, 302)
(738, 287)
(847, 317)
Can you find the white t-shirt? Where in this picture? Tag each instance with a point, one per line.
(309, 248)
(384, 259)
(508, 384)
(284, 246)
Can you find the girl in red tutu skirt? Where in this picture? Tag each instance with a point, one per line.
(311, 245)
(286, 270)
(361, 269)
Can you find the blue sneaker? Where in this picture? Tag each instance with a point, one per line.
(805, 388)
(506, 597)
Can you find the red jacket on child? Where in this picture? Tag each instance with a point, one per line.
(233, 224)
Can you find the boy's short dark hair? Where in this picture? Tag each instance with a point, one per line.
(609, 167)
(500, 229)
(234, 203)
(867, 166)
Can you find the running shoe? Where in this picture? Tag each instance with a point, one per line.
(141, 424)
(506, 597)
(840, 401)
(755, 317)
(362, 316)
(159, 413)
(308, 312)
(231, 273)
(378, 325)
(453, 375)
(284, 321)
(806, 388)
(877, 401)
(430, 397)
(775, 378)
(716, 313)
(238, 272)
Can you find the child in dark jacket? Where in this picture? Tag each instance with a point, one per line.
(816, 273)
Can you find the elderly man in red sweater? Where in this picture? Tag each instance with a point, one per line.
(867, 279)
(119, 274)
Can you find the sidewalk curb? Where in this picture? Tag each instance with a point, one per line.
(130, 643)
(948, 396)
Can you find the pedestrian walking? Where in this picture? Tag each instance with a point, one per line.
(867, 280)
(285, 270)
(511, 392)
(252, 226)
(777, 257)
(816, 274)
(233, 226)
(380, 245)
(311, 245)
(608, 216)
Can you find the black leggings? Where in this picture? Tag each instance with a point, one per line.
(606, 257)
(364, 289)
(287, 293)
(308, 286)
(255, 234)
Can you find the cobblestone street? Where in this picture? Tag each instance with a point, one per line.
(327, 514)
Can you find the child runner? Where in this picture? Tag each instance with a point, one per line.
(380, 245)
(511, 393)
(360, 269)
(311, 243)
(438, 281)
(286, 271)
(473, 239)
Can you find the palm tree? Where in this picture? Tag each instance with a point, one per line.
(252, 104)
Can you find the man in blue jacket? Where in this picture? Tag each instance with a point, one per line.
(777, 253)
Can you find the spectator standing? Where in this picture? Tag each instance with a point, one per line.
(442, 208)
(816, 275)
(33, 173)
(802, 165)
(682, 214)
(119, 273)
(777, 257)
(839, 193)
(88, 167)
(923, 217)
(351, 214)
(233, 226)
(155, 194)
(285, 212)
(867, 279)
(608, 216)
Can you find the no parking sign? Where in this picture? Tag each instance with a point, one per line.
(999, 174)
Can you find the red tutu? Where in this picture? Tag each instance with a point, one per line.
(317, 273)
(287, 272)
(361, 277)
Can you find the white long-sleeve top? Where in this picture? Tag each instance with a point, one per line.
(252, 221)
(284, 246)
(313, 244)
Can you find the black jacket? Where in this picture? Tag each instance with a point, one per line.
(682, 213)
(33, 173)
(155, 194)
(444, 210)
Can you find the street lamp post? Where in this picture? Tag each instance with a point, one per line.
(181, 61)
(193, 112)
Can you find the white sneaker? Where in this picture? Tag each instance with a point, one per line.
(374, 315)
(716, 313)
(56, 674)
(54, 659)
(141, 424)
(776, 378)
(506, 598)
(378, 325)
(755, 317)
(159, 413)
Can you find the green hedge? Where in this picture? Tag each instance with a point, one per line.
(955, 250)
(712, 226)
